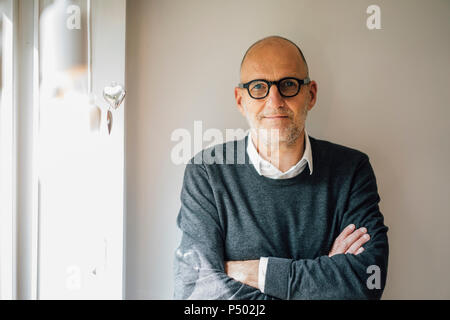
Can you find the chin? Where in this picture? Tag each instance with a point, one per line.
(268, 138)
(289, 135)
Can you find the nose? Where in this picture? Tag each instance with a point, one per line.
(274, 97)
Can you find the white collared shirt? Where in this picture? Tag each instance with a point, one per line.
(266, 169)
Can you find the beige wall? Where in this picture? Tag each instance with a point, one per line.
(385, 92)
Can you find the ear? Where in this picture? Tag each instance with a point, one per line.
(312, 87)
(239, 100)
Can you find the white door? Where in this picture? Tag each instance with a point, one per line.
(81, 167)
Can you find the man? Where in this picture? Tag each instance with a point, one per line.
(299, 219)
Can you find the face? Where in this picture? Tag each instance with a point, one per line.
(275, 113)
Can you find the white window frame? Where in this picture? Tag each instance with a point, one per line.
(19, 179)
(19, 206)
(7, 154)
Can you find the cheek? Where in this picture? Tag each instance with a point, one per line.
(298, 108)
(253, 108)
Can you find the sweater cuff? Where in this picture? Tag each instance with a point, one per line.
(277, 277)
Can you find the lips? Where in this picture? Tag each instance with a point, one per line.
(276, 117)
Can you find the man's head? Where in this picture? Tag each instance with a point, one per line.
(272, 59)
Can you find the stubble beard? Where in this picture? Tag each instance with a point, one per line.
(273, 137)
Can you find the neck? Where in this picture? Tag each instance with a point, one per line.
(282, 155)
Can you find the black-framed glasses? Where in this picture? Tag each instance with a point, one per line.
(287, 87)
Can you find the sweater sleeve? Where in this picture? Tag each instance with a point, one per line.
(342, 276)
(199, 260)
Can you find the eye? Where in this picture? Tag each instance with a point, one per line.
(258, 86)
(289, 83)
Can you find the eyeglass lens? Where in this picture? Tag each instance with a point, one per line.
(287, 88)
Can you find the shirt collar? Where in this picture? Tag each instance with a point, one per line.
(257, 160)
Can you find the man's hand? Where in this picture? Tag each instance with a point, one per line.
(350, 241)
(243, 271)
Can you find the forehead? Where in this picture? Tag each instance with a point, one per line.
(273, 61)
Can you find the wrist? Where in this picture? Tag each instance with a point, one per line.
(252, 275)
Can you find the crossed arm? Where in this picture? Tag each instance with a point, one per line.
(350, 241)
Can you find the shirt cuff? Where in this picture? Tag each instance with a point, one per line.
(262, 273)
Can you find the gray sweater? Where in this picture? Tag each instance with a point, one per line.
(229, 212)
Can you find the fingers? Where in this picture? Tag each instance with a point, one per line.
(357, 245)
(337, 245)
(348, 242)
(345, 233)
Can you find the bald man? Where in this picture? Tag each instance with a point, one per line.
(272, 227)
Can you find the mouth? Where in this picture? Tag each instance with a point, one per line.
(277, 117)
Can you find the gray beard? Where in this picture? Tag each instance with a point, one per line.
(269, 139)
